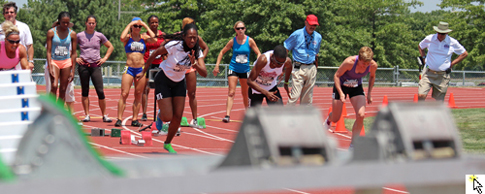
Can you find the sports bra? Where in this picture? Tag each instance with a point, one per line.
(135, 46)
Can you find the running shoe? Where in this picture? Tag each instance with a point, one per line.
(164, 129)
(226, 119)
(326, 124)
(135, 123)
(178, 132)
(86, 119)
(118, 123)
(168, 147)
(144, 117)
(159, 124)
(106, 119)
(194, 124)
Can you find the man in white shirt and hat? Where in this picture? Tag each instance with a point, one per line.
(438, 62)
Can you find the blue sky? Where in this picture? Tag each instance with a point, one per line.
(429, 5)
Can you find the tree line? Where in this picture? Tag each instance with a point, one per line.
(387, 26)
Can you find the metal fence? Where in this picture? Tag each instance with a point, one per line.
(112, 71)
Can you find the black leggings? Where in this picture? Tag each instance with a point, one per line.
(93, 72)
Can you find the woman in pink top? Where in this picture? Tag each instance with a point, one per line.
(11, 51)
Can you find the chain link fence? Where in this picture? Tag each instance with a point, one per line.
(112, 71)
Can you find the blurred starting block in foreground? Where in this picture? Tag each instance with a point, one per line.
(276, 148)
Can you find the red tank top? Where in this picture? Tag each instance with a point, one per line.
(151, 47)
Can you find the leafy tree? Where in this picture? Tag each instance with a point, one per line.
(467, 19)
(46, 12)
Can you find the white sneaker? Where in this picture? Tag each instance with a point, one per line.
(194, 124)
(178, 132)
(326, 126)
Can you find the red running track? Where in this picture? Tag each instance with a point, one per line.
(218, 137)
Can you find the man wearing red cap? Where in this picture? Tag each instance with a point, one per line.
(304, 44)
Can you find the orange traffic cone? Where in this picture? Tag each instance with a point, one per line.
(340, 126)
(344, 110)
(451, 102)
(384, 101)
(415, 98)
(362, 132)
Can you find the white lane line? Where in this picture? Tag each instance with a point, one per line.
(160, 141)
(399, 191)
(220, 138)
(116, 150)
(296, 191)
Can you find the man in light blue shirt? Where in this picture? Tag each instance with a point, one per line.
(304, 45)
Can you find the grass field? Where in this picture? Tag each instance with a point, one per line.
(470, 123)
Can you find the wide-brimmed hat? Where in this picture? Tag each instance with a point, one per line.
(442, 28)
(312, 19)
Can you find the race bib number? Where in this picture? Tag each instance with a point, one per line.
(61, 51)
(241, 58)
(137, 46)
(265, 79)
(158, 56)
(351, 83)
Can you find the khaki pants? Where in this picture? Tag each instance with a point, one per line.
(439, 81)
(303, 80)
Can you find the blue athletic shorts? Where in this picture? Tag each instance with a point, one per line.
(133, 71)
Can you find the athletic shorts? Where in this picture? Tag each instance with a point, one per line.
(190, 70)
(257, 99)
(132, 70)
(240, 75)
(70, 87)
(166, 88)
(152, 66)
(62, 64)
(351, 92)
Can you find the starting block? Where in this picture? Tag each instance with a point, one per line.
(133, 140)
(184, 122)
(115, 132)
(97, 132)
(147, 138)
(141, 142)
(125, 138)
(201, 122)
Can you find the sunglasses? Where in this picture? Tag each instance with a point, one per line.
(277, 62)
(13, 41)
(240, 28)
(442, 34)
(137, 26)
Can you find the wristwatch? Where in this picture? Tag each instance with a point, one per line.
(31, 61)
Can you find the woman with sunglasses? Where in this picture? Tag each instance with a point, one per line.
(151, 47)
(183, 52)
(135, 48)
(61, 60)
(239, 66)
(11, 51)
(263, 78)
(90, 62)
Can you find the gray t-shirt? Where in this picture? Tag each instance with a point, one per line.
(90, 44)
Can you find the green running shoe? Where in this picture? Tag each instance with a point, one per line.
(168, 147)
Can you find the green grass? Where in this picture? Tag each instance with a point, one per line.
(470, 123)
